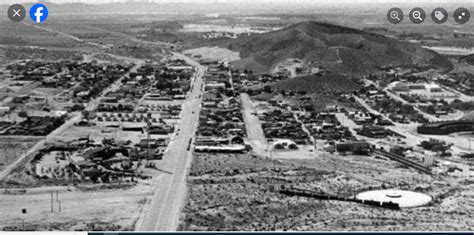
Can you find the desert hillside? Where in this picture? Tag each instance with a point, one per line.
(345, 50)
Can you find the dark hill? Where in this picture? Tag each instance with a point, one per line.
(468, 59)
(341, 49)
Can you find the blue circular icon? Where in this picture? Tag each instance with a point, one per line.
(38, 13)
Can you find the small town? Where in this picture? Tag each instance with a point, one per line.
(232, 122)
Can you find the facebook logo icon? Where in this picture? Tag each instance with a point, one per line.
(38, 13)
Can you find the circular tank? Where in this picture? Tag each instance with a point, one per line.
(402, 197)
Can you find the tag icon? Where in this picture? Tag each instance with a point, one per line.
(439, 15)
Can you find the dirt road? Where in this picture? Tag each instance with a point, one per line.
(256, 137)
(252, 122)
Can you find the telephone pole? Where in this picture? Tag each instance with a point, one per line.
(52, 208)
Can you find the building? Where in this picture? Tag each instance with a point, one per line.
(152, 143)
(4, 109)
(445, 128)
(354, 147)
(221, 149)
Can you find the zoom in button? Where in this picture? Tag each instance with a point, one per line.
(395, 15)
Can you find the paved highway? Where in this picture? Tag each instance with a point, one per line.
(170, 189)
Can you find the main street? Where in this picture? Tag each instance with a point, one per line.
(168, 199)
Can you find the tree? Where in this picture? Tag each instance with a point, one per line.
(267, 89)
(439, 148)
(23, 114)
(308, 107)
(430, 109)
(77, 107)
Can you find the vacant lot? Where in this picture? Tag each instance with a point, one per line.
(11, 148)
(14, 34)
(98, 208)
(214, 53)
(100, 132)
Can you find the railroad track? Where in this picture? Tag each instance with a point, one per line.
(403, 160)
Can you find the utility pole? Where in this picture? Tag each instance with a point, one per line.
(347, 191)
(52, 208)
(271, 158)
(6, 154)
(148, 127)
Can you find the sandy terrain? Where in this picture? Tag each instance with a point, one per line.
(13, 147)
(225, 28)
(81, 208)
(214, 53)
(234, 192)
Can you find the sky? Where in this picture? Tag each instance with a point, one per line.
(263, 1)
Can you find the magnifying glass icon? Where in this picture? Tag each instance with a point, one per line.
(394, 15)
(417, 15)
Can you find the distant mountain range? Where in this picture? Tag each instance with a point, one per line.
(339, 49)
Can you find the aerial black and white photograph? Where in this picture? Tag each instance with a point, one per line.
(236, 115)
